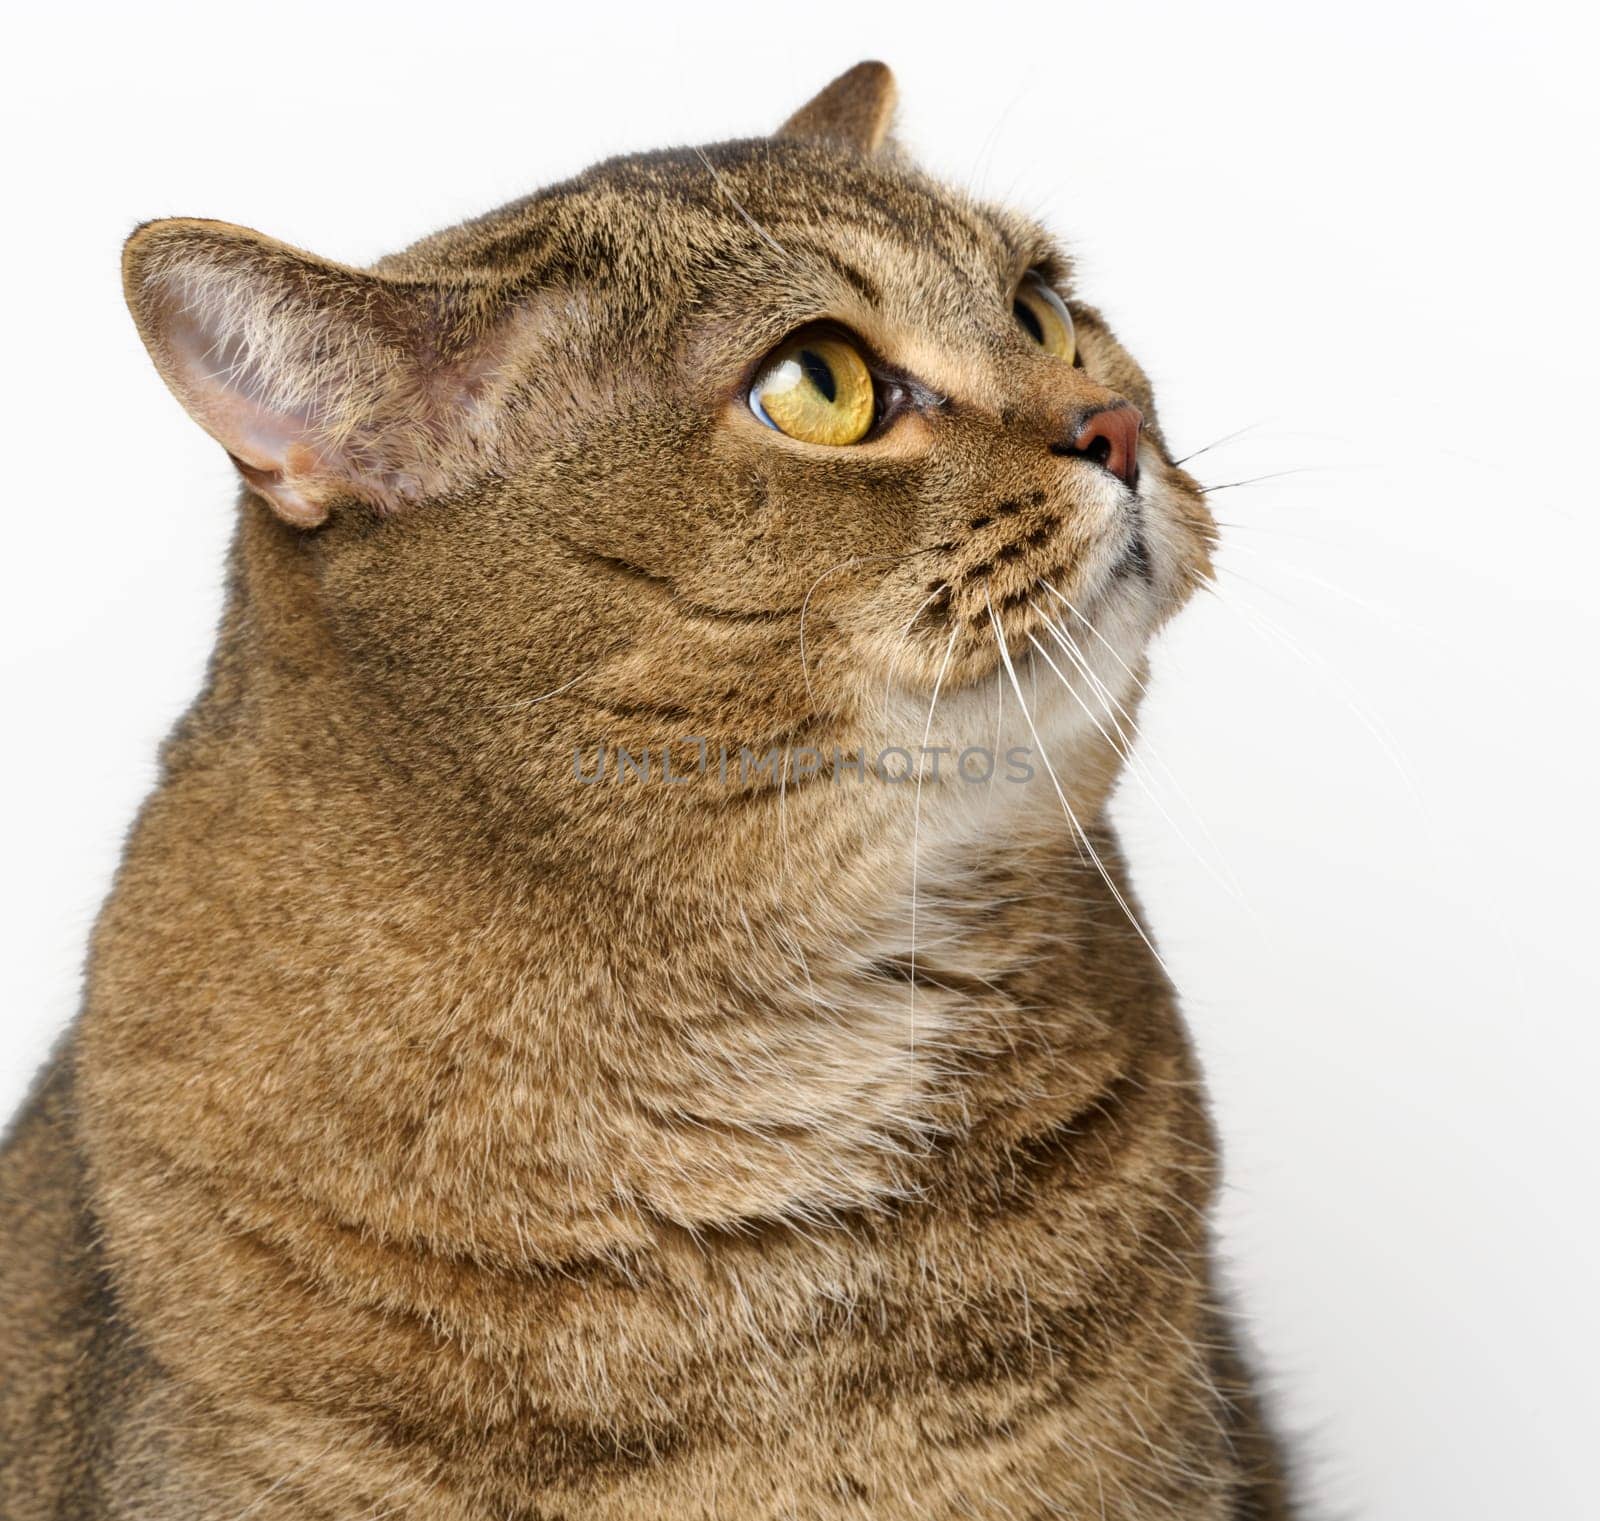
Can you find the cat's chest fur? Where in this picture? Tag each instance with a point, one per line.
(894, 1235)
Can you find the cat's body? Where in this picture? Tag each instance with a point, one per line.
(446, 1136)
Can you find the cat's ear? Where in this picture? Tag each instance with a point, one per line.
(320, 381)
(856, 110)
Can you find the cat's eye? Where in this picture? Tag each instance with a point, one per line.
(1043, 315)
(817, 389)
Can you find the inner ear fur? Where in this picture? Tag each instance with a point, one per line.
(856, 111)
(319, 380)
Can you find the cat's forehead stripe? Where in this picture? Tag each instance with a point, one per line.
(857, 279)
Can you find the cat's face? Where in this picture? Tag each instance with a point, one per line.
(762, 444)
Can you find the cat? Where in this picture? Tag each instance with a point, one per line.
(558, 1043)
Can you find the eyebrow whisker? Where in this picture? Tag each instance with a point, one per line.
(733, 201)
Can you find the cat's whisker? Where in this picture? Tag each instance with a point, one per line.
(1135, 757)
(1277, 530)
(374, 1514)
(977, 178)
(1114, 707)
(733, 201)
(534, 702)
(1123, 743)
(1084, 842)
(1253, 480)
(833, 570)
(1217, 443)
(1271, 632)
(893, 663)
(916, 826)
(1126, 725)
(286, 1478)
(999, 721)
(1110, 648)
(1322, 584)
(784, 873)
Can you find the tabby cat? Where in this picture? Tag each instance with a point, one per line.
(624, 1004)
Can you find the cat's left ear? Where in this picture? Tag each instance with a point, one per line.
(855, 111)
(321, 381)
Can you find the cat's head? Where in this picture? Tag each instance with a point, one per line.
(763, 443)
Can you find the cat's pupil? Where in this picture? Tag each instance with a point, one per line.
(1026, 317)
(818, 373)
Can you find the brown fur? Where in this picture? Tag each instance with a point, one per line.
(443, 1137)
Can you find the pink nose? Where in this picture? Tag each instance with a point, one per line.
(1109, 437)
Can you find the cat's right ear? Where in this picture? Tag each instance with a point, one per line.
(855, 111)
(320, 381)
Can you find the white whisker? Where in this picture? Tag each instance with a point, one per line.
(733, 201)
(833, 570)
(1111, 649)
(1123, 744)
(999, 724)
(1232, 883)
(1267, 630)
(905, 634)
(1085, 843)
(916, 825)
(534, 702)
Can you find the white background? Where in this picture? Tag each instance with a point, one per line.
(1363, 232)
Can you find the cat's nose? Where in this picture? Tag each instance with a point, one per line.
(1108, 436)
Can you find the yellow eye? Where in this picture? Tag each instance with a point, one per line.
(816, 389)
(1045, 318)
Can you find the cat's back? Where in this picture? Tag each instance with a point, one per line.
(69, 1370)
